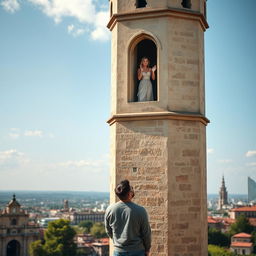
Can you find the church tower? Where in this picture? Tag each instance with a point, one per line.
(16, 230)
(160, 145)
(223, 194)
(65, 205)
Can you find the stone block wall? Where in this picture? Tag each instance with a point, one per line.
(164, 160)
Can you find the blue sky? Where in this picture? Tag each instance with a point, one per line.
(55, 94)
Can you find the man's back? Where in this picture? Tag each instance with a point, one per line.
(127, 224)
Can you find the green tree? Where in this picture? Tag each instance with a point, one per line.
(59, 240)
(98, 230)
(241, 225)
(36, 249)
(87, 225)
(216, 237)
(214, 250)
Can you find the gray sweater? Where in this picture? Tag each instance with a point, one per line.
(127, 224)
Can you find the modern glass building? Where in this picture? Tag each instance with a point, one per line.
(251, 190)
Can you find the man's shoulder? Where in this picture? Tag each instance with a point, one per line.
(121, 204)
(113, 207)
(138, 207)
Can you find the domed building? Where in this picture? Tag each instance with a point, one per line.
(16, 233)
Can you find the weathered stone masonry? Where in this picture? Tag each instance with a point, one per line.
(160, 146)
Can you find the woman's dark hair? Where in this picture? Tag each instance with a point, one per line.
(122, 189)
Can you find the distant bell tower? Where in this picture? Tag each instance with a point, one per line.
(160, 144)
(65, 205)
(223, 195)
(17, 231)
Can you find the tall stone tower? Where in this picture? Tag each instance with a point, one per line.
(65, 205)
(160, 145)
(223, 194)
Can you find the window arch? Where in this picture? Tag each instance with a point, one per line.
(186, 4)
(141, 3)
(142, 46)
(14, 222)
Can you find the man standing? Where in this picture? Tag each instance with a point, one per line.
(127, 224)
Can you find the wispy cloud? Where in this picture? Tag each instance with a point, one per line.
(10, 6)
(85, 165)
(83, 10)
(210, 150)
(250, 153)
(33, 133)
(100, 32)
(12, 158)
(91, 20)
(14, 133)
(74, 31)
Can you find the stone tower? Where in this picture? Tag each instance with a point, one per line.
(65, 205)
(223, 194)
(160, 145)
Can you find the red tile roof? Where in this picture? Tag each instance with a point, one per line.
(241, 244)
(104, 240)
(226, 220)
(245, 209)
(215, 220)
(242, 235)
(212, 220)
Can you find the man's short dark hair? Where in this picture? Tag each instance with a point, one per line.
(122, 189)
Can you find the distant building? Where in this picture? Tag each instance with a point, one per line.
(77, 217)
(247, 211)
(45, 221)
(88, 246)
(66, 206)
(220, 223)
(101, 247)
(223, 195)
(241, 244)
(251, 190)
(16, 232)
(214, 223)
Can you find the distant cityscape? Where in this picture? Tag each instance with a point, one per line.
(25, 216)
(28, 213)
(49, 200)
(49, 203)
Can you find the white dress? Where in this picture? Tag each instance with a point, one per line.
(145, 92)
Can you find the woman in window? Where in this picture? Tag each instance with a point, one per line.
(145, 91)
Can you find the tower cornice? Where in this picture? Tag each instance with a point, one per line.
(166, 115)
(156, 13)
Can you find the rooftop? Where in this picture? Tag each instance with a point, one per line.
(212, 220)
(241, 244)
(242, 235)
(245, 209)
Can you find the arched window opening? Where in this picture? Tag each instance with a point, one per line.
(14, 222)
(141, 3)
(111, 9)
(186, 4)
(13, 248)
(144, 48)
